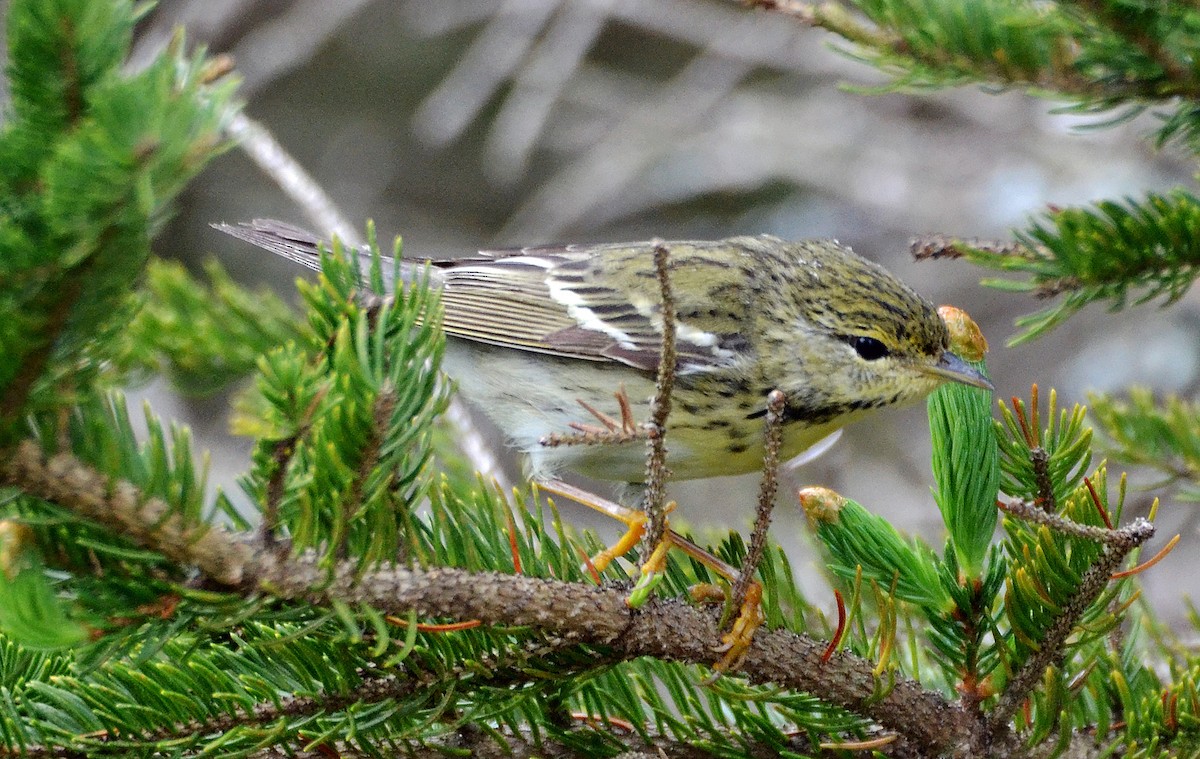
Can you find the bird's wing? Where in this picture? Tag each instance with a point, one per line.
(599, 303)
(593, 302)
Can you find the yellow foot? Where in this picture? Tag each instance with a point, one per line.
(635, 523)
(736, 642)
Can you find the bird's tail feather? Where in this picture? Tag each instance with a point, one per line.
(304, 247)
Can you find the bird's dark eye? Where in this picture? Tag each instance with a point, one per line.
(868, 348)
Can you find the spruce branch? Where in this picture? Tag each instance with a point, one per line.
(664, 629)
(1142, 28)
(208, 334)
(1048, 49)
(280, 717)
(124, 509)
(865, 545)
(1119, 253)
(1163, 433)
(1052, 647)
(91, 154)
(31, 367)
(508, 743)
(1043, 464)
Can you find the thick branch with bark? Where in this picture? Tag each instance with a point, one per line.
(664, 629)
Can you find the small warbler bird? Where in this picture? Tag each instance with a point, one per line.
(541, 338)
(532, 332)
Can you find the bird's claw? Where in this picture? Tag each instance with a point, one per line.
(735, 644)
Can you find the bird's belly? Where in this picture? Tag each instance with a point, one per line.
(531, 397)
(689, 456)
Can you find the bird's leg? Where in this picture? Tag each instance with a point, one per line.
(633, 519)
(747, 592)
(736, 642)
(614, 431)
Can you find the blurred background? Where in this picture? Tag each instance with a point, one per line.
(461, 125)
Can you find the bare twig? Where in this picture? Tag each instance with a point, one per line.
(381, 420)
(773, 434)
(935, 247)
(473, 444)
(257, 142)
(612, 432)
(1034, 513)
(660, 408)
(940, 246)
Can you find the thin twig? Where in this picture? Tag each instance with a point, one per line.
(612, 432)
(934, 247)
(1033, 513)
(773, 440)
(653, 502)
(474, 445)
(381, 421)
(1039, 459)
(257, 142)
(281, 456)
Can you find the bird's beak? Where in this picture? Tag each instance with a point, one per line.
(951, 367)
